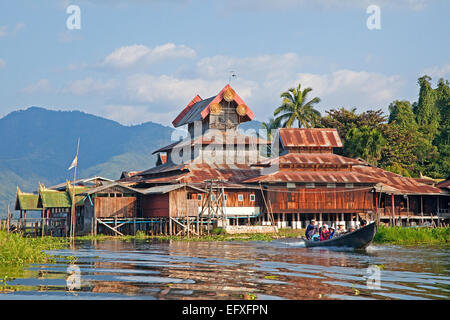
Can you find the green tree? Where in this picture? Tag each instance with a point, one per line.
(399, 155)
(366, 143)
(402, 114)
(295, 106)
(272, 124)
(426, 111)
(442, 141)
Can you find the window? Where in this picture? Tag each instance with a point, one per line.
(199, 197)
(240, 197)
(310, 185)
(225, 197)
(252, 197)
(213, 197)
(331, 185)
(290, 185)
(349, 185)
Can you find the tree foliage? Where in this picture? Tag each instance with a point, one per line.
(412, 140)
(295, 107)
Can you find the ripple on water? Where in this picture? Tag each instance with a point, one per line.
(276, 270)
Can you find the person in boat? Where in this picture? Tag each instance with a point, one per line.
(351, 229)
(340, 231)
(325, 233)
(316, 237)
(310, 229)
(332, 232)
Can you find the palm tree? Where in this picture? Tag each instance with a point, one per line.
(294, 107)
(272, 124)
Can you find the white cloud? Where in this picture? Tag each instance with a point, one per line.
(438, 71)
(150, 88)
(4, 30)
(136, 114)
(89, 86)
(352, 88)
(128, 56)
(41, 86)
(69, 36)
(263, 66)
(260, 79)
(320, 4)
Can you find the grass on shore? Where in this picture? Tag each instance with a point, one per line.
(18, 250)
(412, 236)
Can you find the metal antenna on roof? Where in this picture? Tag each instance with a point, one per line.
(232, 75)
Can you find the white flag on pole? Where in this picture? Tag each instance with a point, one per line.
(74, 163)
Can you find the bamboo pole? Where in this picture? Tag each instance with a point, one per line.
(72, 219)
(9, 220)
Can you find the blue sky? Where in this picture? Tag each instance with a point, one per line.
(135, 61)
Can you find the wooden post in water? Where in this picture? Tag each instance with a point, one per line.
(9, 220)
(393, 209)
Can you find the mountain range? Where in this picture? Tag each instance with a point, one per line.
(38, 145)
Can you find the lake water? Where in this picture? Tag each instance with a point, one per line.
(282, 269)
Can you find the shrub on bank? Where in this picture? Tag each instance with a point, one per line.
(420, 235)
(18, 250)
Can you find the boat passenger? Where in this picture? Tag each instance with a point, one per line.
(325, 233)
(351, 229)
(340, 231)
(316, 237)
(332, 231)
(310, 229)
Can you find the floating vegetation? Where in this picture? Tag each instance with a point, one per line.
(18, 250)
(412, 236)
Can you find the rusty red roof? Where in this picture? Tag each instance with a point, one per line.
(309, 160)
(230, 137)
(309, 137)
(404, 185)
(315, 177)
(444, 184)
(198, 109)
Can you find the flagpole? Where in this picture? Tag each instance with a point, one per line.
(72, 220)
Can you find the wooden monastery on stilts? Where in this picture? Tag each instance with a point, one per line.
(219, 177)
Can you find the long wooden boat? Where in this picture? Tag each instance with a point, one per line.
(358, 239)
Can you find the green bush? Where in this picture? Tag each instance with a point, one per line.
(422, 235)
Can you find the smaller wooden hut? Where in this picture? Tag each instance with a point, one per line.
(26, 202)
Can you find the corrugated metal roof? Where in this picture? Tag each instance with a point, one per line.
(196, 99)
(309, 137)
(314, 176)
(229, 137)
(444, 184)
(402, 184)
(195, 112)
(105, 187)
(312, 159)
(168, 188)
